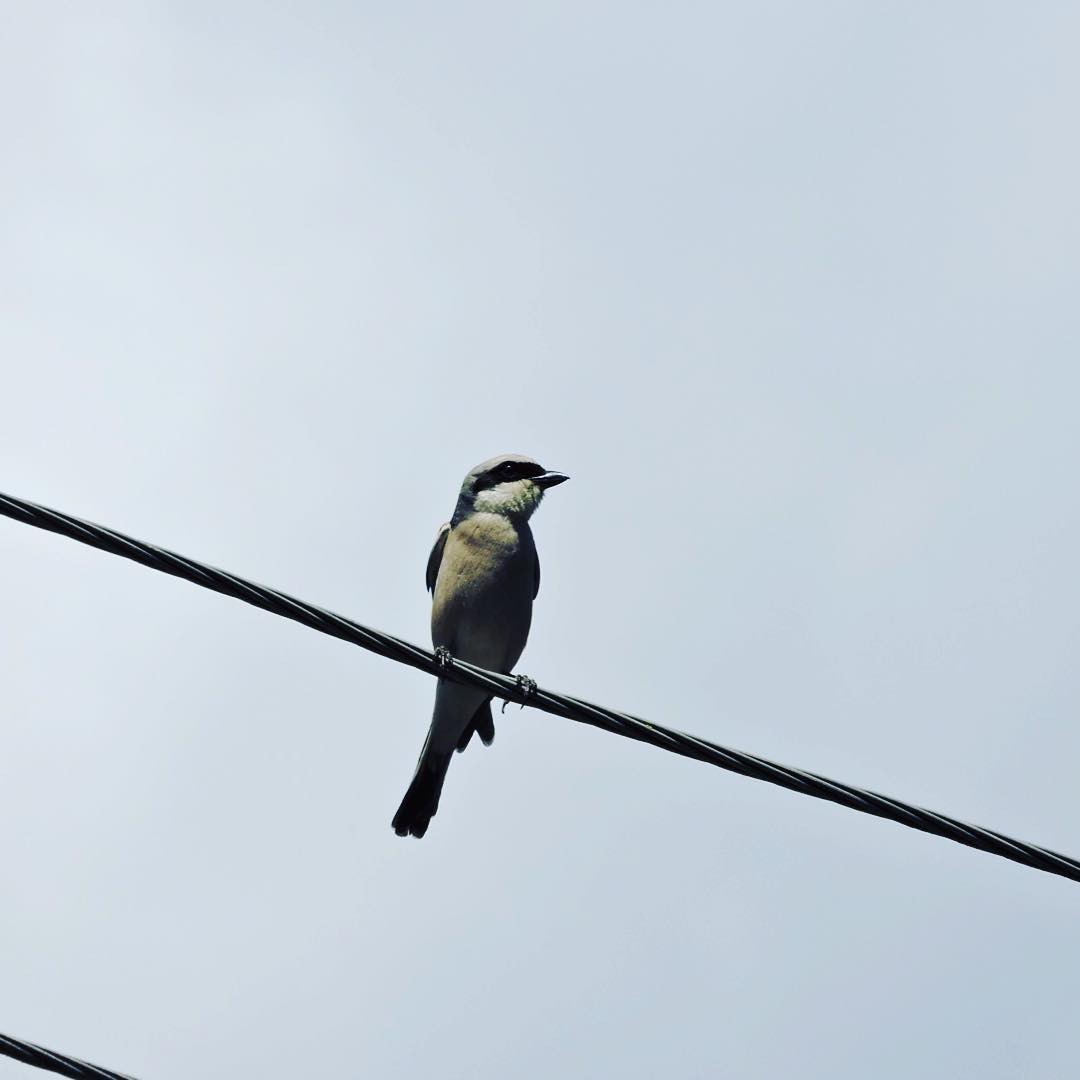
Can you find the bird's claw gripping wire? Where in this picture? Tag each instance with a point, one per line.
(443, 657)
(526, 685)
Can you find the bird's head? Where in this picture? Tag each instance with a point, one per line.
(512, 485)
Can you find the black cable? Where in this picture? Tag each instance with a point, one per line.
(505, 686)
(29, 1054)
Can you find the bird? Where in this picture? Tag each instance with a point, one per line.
(483, 575)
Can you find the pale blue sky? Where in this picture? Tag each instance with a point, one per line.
(789, 289)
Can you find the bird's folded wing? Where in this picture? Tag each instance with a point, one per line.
(435, 558)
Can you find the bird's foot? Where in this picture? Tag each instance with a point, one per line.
(526, 685)
(443, 657)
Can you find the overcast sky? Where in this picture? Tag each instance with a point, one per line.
(789, 289)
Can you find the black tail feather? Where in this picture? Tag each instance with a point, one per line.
(422, 799)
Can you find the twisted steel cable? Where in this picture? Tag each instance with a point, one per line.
(511, 689)
(29, 1054)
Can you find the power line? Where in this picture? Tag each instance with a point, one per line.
(505, 686)
(29, 1054)
(509, 688)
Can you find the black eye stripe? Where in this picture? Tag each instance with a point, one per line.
(506, 471)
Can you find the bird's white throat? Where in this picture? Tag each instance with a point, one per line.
(516, 497)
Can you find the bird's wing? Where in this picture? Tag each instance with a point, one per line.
(536, 575)
(435, 558)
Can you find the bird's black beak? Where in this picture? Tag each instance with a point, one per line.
(549, 479)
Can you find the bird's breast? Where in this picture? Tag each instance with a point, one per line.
(482, 606)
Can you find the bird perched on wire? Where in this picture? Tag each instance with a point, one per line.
(483, 574)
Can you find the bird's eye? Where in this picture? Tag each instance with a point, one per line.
(507, 468)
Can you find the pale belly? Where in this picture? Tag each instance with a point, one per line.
(482, 605)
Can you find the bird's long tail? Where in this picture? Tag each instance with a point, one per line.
(422, 799)
(459, 711)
